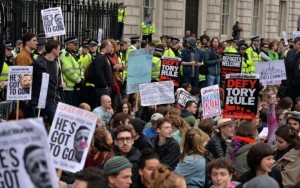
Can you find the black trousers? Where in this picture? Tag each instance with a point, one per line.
(147, 37)
(120, 30)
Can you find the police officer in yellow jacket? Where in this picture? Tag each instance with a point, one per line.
(40, 48)
(135, 44)
(121, 19)
(8, 61)
(245, 59)
(253, 53)
(233, 46)
(148, 28)
(72, 73)
(173, 51)
(156, 64)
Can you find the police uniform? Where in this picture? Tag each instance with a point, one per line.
(16, 50)
(121, 20)
(254, 56)
(72, 74)
(156, 64)
(130, 48)
(41, 44)
(148, 28)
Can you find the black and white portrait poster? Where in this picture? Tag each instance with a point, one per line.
(25, 159)
(70, 136)
(19, 84)
(53, 22)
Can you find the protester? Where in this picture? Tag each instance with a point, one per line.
(293, 120)
(180, 127)
(90, 178)
(140, 140)
(189, 112)
(150, 131)
(104, 111)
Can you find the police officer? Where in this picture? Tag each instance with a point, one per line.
(173, 51)
(18, 48)
(72, 73)
(232, 48)
(40, 48)
(148, 28)
(121, 19)
(156, 63)
(253, 53)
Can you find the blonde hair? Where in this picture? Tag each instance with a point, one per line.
(180, 124)
(163, 177)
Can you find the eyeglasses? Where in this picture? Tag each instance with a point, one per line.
(123, 139)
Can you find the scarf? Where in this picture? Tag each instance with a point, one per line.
(116, 75)
(237, 142)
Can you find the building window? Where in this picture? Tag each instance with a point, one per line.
(148, 7)
(282, 17)
(225, 16)
(255, 17)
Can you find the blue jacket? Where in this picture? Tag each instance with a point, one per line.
(210, 60)
(192, 168)
(188, 70)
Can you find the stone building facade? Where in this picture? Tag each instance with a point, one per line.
(266, 18)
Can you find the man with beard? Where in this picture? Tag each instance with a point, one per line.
(36, 166)
(124, 147)
(80, 142)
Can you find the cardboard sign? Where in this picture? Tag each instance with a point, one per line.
(211, 101)
(296, 34)
(170, 70)
(185, 97)
(70, 136)
(241, 96)
(25, 159)
(157, 93)
(44, 90)
(270, 73)
(231, 63)
(53, 22)
(139, 69)
(19, 83)
(285, 38)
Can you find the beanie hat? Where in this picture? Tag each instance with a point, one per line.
(27, 37)
(138, 125)
(115, 165)
(261, 181)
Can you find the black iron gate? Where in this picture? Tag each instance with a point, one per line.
(82, 18)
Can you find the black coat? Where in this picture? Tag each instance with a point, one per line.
(102, 72)
(291, 65)
(168, 153)
(217, 146)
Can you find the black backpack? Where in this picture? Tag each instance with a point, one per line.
(89, 73)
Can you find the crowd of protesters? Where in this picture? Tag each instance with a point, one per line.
(165, 146)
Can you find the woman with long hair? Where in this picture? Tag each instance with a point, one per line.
(192, 161)
(180, 128)
(126, 108)
(101, 148)
(288, 156)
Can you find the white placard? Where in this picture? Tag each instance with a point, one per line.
(264, 132)
(296, 34)
(53, 22)
(285, 38)
(157, 93)
(44, 90)
(100, 34)
(19, 83)
(211, 101)
(271, 72)
(70, 136)
(25, 159)
(185, 97)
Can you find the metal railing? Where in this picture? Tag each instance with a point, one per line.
(82, 18)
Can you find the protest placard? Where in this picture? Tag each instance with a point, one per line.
(211, 101)
(285, 38)
(53, 22)
(44, 90)
(241, 96)
(271, 73)
(100, 33)
(296, 34)
(231, 63)
(139, 69)
(70, 137)
(170, 70)
(157, 93)
(19, 83)
(24, 155)
(185, 97)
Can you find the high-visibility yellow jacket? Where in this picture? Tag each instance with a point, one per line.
(129, 49)
(254, 58)
(156, 64)
(71, 69)
(4, 73)
(231, 49)
(121, 15)
(147, 29)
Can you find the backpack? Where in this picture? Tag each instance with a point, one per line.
(89, 73)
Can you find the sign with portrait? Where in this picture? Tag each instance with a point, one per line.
(184, 97)
(25, 159)
(53, 22)
(19, 83)
(70, 136)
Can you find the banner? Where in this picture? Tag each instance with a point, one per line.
(296, 34)
(139, 69)
(157, 93)
(53, 22)
(271, 73)
(19, 83)
(100, 33)
(170, 70)
(185, 97)
(24, 155)
(44, 90)
(241, 96)
(211, 101)
(70, 136)
(231, 63)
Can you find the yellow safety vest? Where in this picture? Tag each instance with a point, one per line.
(254, 58)
(231, 49)
(156, 64)
(126, 61)
(4, 73)
(148, 29)
(121, 15)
